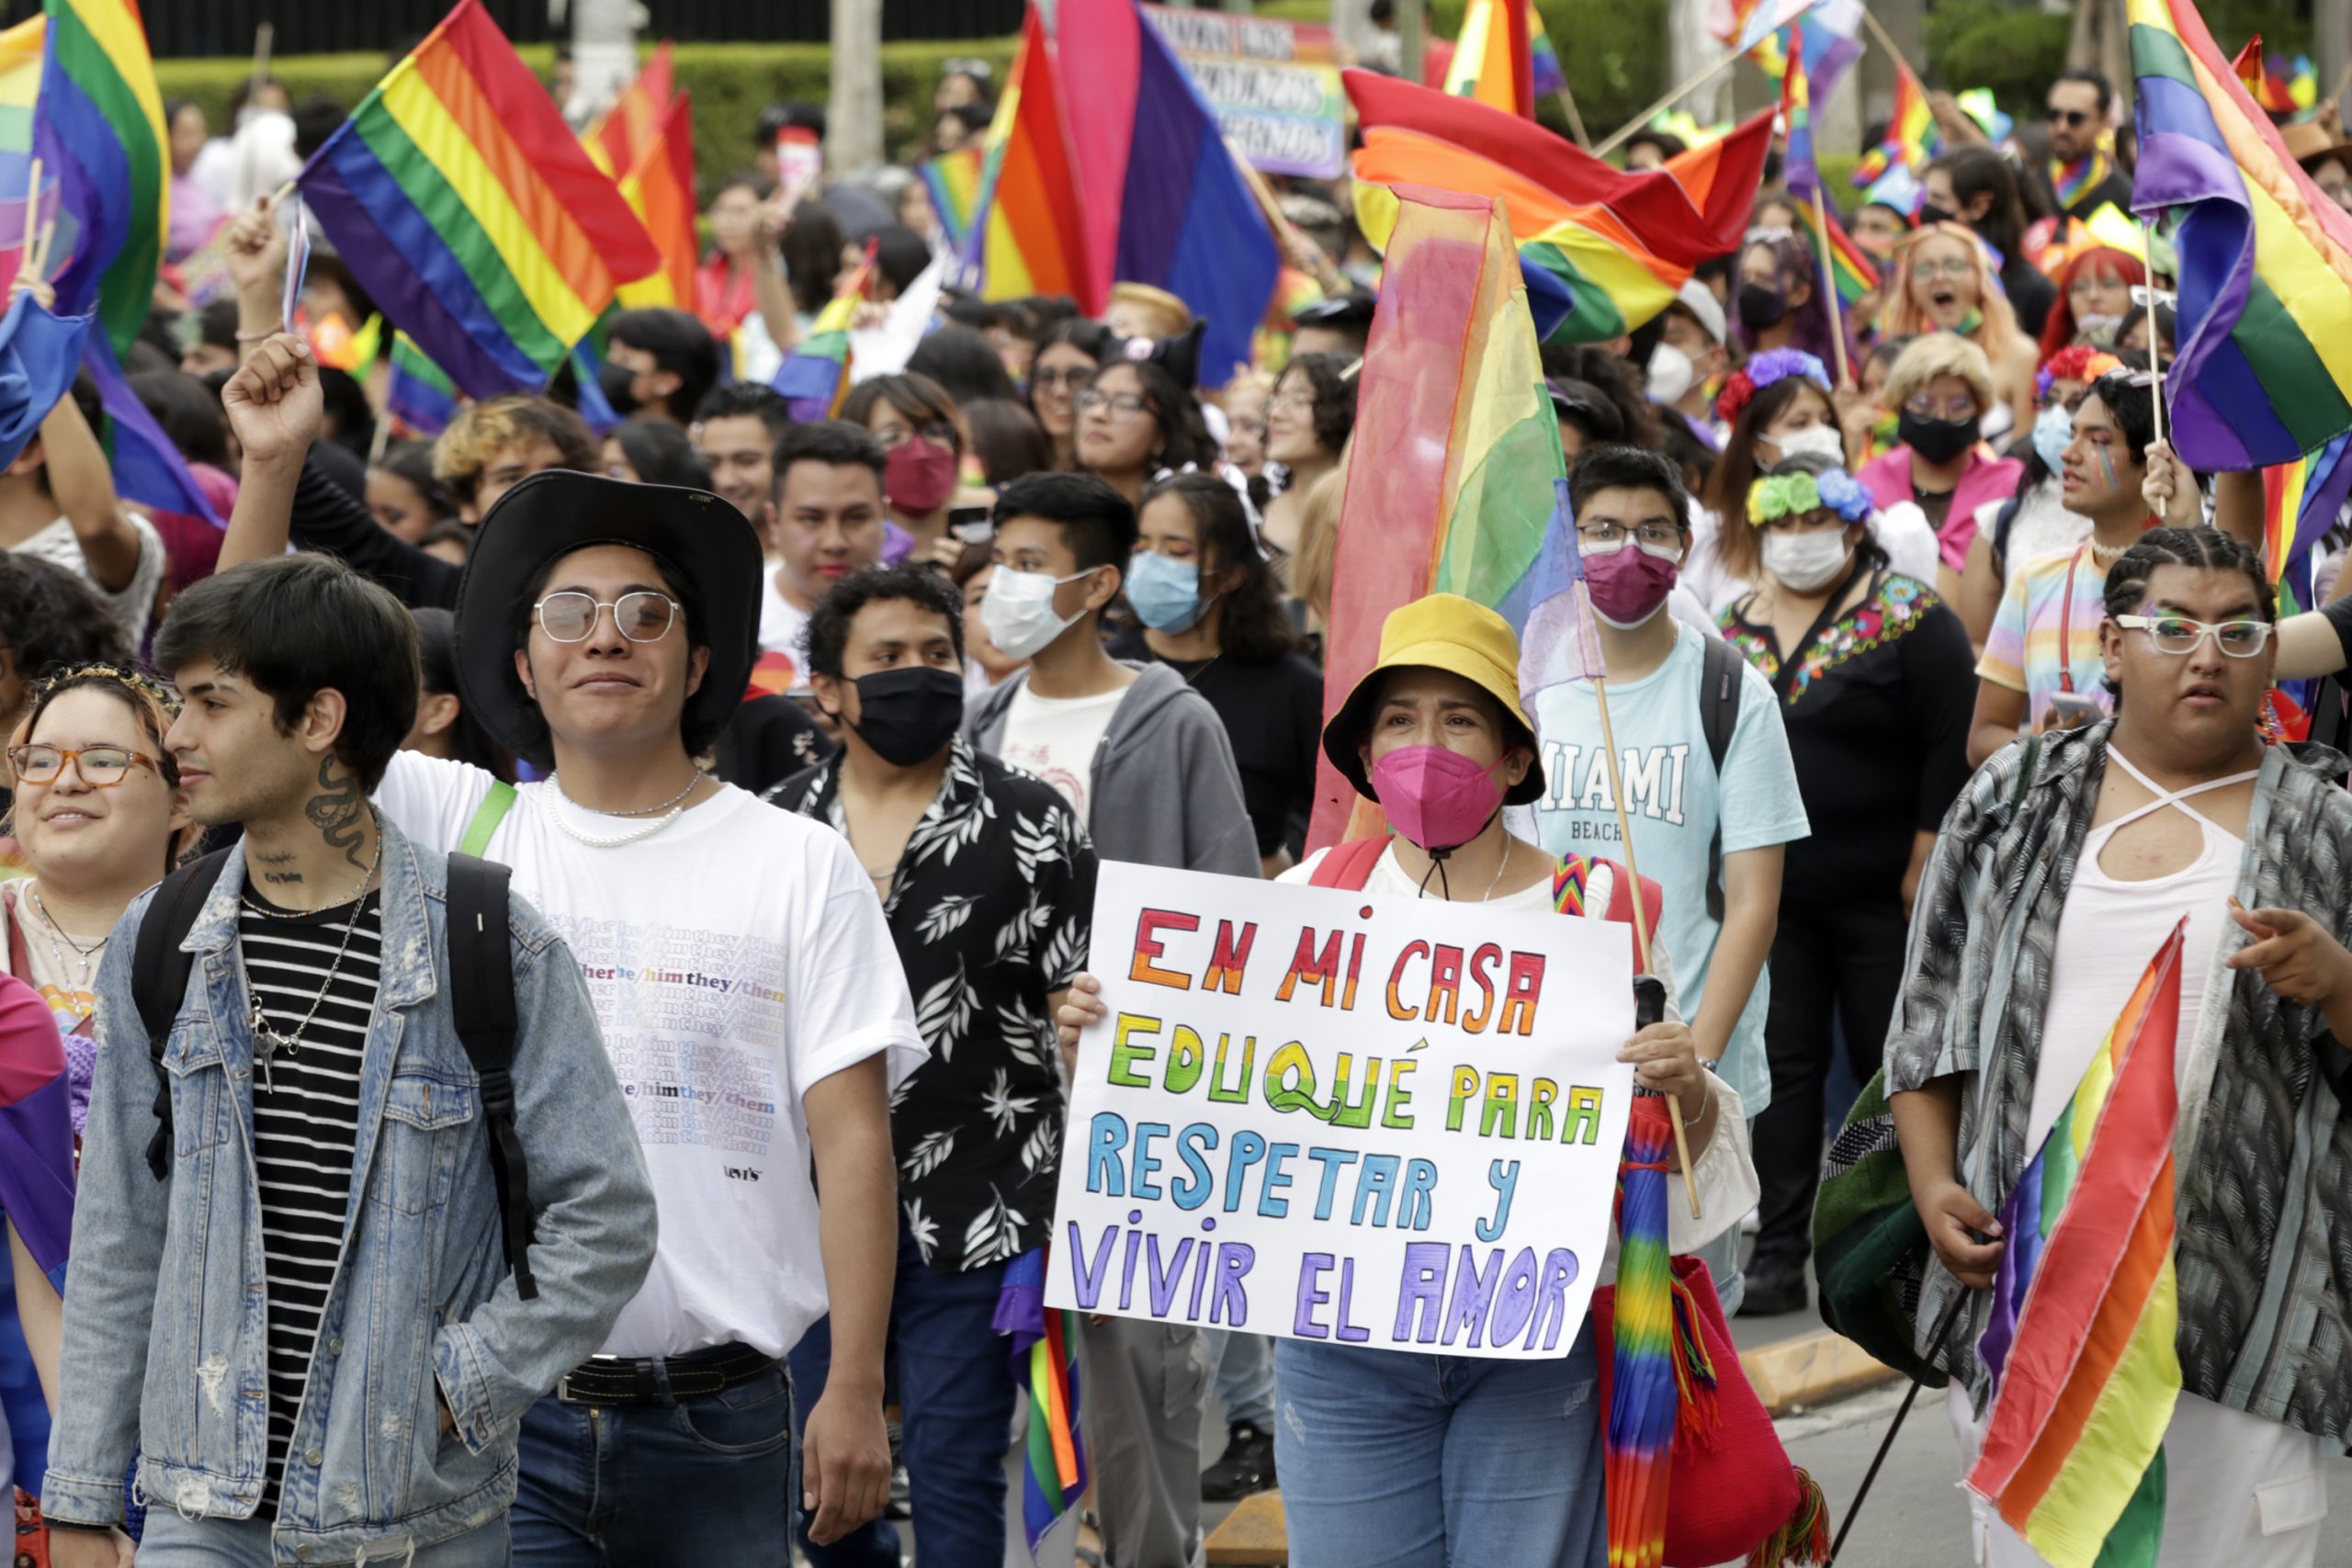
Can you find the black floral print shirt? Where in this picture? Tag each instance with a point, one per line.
(991, 907)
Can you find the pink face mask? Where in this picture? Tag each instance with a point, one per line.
(1439, 799)
(1629, 583)
(920, 475)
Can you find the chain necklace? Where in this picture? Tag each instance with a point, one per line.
(671, 810)
(76, 999)
(270, 912)
(269, 1041)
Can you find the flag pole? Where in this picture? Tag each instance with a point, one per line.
(1690, 85)
(1569, 106)
(1829, 281)
(1641, 919)
(29, 254)
(1877, 31)
(2155, 345)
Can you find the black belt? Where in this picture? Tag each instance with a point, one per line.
(662, 1379)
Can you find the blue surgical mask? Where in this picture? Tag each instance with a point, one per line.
(1165, 591)
(2053, 432)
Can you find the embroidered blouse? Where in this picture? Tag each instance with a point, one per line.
(1877, 706)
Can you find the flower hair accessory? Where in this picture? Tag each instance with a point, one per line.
(1776, 496)
(1761, 371)
(2082, 362)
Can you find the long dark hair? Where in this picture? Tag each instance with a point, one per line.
(1251, 626)
(1183, 431)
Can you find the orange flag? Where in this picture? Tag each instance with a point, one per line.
(618, 140)
(660, 188)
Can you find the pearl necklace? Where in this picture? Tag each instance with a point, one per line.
(677, 809)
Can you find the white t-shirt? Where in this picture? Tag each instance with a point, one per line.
(1055, 739)
(131, 604)
(740, 953)
(784, 631)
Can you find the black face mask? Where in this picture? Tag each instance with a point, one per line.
(1931, 213)
(907, 716)
(1936, 440)
(1760, 307)
(619, 383)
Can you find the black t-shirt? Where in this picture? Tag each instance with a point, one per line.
(2031, 294)
(1273, 710)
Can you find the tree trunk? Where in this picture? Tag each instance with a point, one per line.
(1692, 49)
(853, 112)
(1351, 20)
(603, 55)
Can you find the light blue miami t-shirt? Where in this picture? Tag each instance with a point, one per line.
(1673, 798)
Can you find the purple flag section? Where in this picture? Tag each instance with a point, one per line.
(39, 354)
(35, 1128)
(148, 468)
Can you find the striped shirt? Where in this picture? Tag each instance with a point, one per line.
(2037, 624)
(306, 1120)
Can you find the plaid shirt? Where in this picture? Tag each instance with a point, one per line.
(2264, 1147)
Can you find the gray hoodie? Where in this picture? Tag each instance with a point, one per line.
(1164, 788)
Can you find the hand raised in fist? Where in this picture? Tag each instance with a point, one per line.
(274, 403)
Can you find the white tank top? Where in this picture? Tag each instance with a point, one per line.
(2108, 932)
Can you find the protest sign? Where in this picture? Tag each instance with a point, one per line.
(1274, 86)
(1321, 1114)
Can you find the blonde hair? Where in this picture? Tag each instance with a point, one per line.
(1997, 331)
(1174, 316)
(1938, 354)
(479, 431)
(1318, 541)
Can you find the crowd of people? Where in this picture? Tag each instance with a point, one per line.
(602, 1034)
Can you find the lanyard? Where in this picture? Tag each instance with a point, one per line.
(2066, 621)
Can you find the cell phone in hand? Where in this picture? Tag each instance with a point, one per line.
(973, 525)
(799, 157)
(2070, 710)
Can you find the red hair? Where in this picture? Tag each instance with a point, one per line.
(2059, 330)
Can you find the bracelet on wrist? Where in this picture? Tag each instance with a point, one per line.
(261, 337)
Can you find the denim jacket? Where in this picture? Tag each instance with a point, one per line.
(166, 1348)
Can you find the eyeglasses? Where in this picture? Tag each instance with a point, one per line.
(2178, 633)
(1296, 397)
(937, 430)
(1123, 406)
(101, 767)
(1076, 378)
(641, 616)
(1951, 267)
(2057, 116)
(1659, 538)
(1927, 406)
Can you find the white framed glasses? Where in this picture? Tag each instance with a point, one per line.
(641, 616)
(2180, 635)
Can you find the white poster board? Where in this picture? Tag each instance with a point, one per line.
(1328, 1115)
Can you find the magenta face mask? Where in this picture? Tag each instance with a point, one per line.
(1439, 799)
(1628, 584)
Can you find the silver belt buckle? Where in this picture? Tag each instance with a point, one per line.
(563, 1384)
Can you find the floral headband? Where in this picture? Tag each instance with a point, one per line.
(2079, 363)
(1793, 495)
(137, 681)
(1772, 365)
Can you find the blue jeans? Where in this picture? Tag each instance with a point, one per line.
(700, 1484)
(174, 1543)
(1394, 1458)
(956, 1397)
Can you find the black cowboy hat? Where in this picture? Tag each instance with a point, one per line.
(702, 543)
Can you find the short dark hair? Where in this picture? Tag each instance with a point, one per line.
(900, 254)
(962, 362)
(1007, 439)
(49, 617)
(436, 653)
(1981, 171)
(1628, 467)
(2130, 397)
(812, 255)
(835, 443)
(533, 741)
(216, 323)
(412, 461)
(2203, 547)
(191, 417)
(829, 622)
(1098, 523)
(973, 118)
(746, 400)
(679, 343)
(296, 626)
(1334, 394)
(919, 399)
(2095, 78)
(662, 453)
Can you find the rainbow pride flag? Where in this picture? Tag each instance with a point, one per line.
(1849, 271)
(953, 182)
(2263, 373)
(1452, 351)
(1045, 1363)
(1028, 235)
(2079, 1341)
(1911, 143)
(1604, 249)
(660, 189)
(1824, 37)
(100, 126)
(815, 379)
(21, 51)
(419, 394)
(462, 201)
(1166, 203)
(1494, 57)
(1741, 25)
(2301, 502)
(617, 138)
(1644, 1390)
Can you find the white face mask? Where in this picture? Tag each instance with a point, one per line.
(1018, 610)
(1819, 440)
(1805, 561)
(1671, 373)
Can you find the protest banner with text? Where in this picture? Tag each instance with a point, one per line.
(1274, 86)
(1321, 1114)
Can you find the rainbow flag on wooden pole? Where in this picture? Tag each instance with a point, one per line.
(2264, 372)
(1494, 57)
(1028, 233)
(660, 189)
(465, 207)
(1849, 271)
(2079, 1342)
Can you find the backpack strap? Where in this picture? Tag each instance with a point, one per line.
(159, 972)
(482, 997)
(1719, 678)
(487, 816)
(1349, 865)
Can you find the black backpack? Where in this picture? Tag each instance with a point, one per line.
(1719, 678)
(481, 995)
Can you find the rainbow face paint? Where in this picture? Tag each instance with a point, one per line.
(2107, 467)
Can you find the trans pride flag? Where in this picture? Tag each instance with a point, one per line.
(2079, 1342)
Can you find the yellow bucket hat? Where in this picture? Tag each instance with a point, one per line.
(1442, 631)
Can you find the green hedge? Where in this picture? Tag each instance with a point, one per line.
(731, 83)
(2017, 53)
